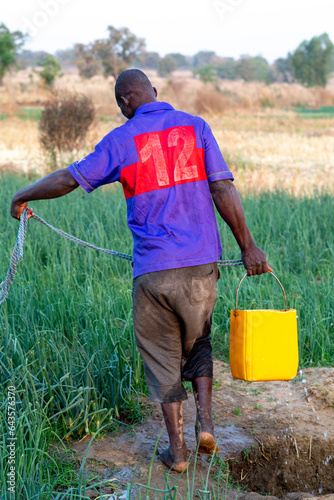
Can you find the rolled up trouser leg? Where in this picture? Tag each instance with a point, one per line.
(172, 321)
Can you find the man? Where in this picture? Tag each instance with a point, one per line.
(171, 168)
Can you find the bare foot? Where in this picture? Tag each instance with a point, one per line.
(207, 444)
(177, 462)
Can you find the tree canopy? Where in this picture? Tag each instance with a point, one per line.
(118, 51)
(10, 44)
(203, 58)
(86, 60)
(51, 69)
(166, 65)
(313, 61)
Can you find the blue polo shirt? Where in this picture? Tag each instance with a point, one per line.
(165, 160)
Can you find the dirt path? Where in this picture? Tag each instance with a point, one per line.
(277, 437)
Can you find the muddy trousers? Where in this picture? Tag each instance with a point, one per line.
(172, 314)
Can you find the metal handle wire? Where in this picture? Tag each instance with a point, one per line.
(244, 276)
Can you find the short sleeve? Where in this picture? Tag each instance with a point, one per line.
(102, 166)
(215, 165)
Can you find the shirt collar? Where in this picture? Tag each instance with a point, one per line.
(153, 106)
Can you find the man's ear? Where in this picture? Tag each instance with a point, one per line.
(126, 101)
(155, 91)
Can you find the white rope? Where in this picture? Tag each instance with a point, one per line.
(16, 256)
(18, 251)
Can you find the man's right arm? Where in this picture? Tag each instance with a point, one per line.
(53, 185)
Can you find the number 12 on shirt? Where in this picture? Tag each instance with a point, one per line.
(166, 158)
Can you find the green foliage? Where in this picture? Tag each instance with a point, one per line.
(67, 341)
(247, 68)
(166, 66)
(207, 74)
(61, 469)
(10, 44)
(253, 69)
(203, 58)
(180, 59)
(117, 52)
(283, 70)
(320, 113)
(33, 114)
(64, 123)
(301, 255)
(313, 61)
(222, 472)
(51, 70)
(227, 68)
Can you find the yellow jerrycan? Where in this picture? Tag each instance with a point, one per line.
(263, 342)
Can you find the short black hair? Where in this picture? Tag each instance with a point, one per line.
(130, 79)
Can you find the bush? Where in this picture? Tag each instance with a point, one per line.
(51, 70)
(207, 74)
(64, 123)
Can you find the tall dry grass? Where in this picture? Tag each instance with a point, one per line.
(187, 93)
(265, 145)
(264, 151)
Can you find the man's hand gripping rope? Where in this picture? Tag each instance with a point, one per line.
(17, 254)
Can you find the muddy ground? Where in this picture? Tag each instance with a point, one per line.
(276, 437)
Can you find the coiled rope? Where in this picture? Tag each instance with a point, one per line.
(18, 251)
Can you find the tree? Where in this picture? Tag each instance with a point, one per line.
(149, 60)
(207, 74)
(166, 66)
(85, 60)
(181, 60)
(227, 68)
(51, 69)
(10, 44)
(313, 61)
(283, 70)
(117, 52)
(203, 58)
(254, 69)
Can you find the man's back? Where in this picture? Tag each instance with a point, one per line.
(164, 160)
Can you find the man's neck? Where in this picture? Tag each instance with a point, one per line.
(144, 101)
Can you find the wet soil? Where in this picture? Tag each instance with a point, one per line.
(276, 437)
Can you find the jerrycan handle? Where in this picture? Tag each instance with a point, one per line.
(236, 300)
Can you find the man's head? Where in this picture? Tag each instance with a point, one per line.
(133, 89)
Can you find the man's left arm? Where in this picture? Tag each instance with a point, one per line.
(229, 206)
(54, 185)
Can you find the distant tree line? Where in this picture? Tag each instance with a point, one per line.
(310, 64)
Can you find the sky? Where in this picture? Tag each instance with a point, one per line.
(231, 28)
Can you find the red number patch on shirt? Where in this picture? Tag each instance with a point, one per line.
(166, 158)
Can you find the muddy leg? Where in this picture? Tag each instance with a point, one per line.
(202, 387)
(175, 457)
